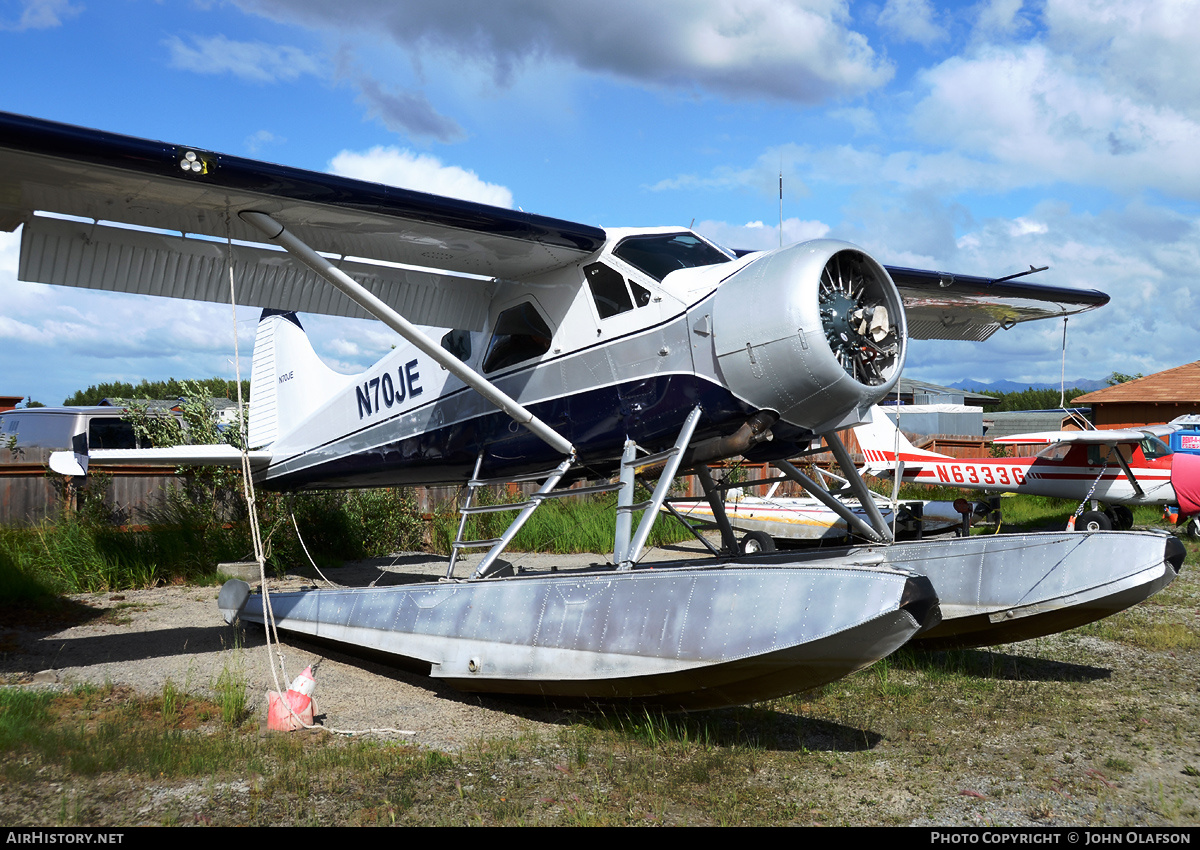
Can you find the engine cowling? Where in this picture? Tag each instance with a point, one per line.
(814, 332)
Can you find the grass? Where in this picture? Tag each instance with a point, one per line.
(857, 751)
(1039, 730)
(183, 543)
(561, 526)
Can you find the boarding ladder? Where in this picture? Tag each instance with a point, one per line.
(628, 546)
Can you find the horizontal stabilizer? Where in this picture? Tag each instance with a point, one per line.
(73, 463)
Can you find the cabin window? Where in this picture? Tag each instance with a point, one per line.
(660, 254)
(608, 290)
(458, 343)
(111, 434)
(521, 334)
(1101, 454)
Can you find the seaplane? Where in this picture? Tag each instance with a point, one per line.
(531, 348)
(1116, 467)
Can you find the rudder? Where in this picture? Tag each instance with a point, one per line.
(287, 380)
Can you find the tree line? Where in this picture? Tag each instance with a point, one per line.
(1031, 399)
(155, 390)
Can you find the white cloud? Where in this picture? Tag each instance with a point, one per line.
(257, 141)
(1146, 51)
(250, 60)
(795, 50)
(756, 236)
(999, 18)
(863, 120)
(1148, 271)
(419, 172)
(344, 347)
(407, 112)
(41, 14)
(911, 20)
(10, 251)
(1027, 110)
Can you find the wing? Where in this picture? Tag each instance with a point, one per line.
(1091, 438)
(939, 305)
(186, 200)
(178, 209)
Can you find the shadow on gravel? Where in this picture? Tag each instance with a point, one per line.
(59, 652)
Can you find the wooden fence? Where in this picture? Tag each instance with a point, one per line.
(30, 493)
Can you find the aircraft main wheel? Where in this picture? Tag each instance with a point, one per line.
(1193, 528)
(1093, 521)
(1120, 516)
(757, 541)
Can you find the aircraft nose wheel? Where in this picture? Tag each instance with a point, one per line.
(1192, 528)
(757, 542)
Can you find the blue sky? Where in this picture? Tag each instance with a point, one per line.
(970, 137)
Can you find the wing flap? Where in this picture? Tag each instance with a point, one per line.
(118, 259)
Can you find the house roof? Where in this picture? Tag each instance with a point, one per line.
(1180, 385)
(909, 386)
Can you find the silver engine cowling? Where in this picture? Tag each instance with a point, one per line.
(814, 332)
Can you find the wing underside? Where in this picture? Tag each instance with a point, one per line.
(946, 306)
(456, 246)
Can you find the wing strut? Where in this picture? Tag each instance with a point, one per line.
(277, 233)
(1137, 488)
(853, 520)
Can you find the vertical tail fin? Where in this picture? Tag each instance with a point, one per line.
(288, 381)
(882, 444)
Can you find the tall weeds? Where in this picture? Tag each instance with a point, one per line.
(559, 526)
(185, 538)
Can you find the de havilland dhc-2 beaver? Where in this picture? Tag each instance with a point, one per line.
(539, 349)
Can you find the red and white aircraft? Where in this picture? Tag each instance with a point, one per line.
(1117, 467)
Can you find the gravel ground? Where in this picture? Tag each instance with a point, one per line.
(143, 638)
(1132, 759)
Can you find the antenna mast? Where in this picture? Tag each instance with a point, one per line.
(781, 202)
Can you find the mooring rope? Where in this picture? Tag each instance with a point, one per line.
(272, 632)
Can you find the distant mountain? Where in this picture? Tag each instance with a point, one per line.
(1086, 384)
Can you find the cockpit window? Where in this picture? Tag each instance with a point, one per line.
(1055, 451)
(1154, 448)
(521, 334)
(660, 254)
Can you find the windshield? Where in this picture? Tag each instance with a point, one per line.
(1154, 448)
(660, 254)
